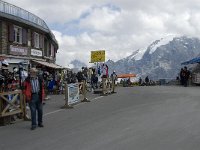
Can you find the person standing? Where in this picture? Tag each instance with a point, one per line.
(140, 81)
(147, 80)
(33, 89)
(182, 76)
(186, 75)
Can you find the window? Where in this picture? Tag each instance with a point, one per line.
(18, 34)
(52, 50)
(36, 40)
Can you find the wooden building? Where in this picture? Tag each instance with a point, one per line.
(24, 37)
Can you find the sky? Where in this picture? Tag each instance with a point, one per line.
(118, 26)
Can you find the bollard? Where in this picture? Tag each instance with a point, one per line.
(66, 106)
(84, 92)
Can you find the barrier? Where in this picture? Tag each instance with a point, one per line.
(72, 94)
(108, 86)
(66, 105)
(12, 103)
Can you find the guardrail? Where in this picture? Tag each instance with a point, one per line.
(21, 13)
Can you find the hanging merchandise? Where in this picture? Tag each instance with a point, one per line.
(5, 63)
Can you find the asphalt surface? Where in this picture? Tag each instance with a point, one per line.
(135, 118)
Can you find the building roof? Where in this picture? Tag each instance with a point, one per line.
(13, 12)
(192, 61)
(50, 65)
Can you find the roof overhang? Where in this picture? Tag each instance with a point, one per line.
(49, 65)
(192, 61)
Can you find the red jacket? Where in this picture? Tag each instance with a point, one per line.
(27, 90)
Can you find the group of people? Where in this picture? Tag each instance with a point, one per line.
(146, 81)
(35, 82)
(34, 90)
(184, 76)
(9, 80)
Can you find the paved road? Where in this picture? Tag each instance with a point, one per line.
(137, 118)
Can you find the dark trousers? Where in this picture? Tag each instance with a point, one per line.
(36, 110)
(185, 82)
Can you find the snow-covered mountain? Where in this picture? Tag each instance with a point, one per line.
(161, 59)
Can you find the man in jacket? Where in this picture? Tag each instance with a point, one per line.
(33, 89)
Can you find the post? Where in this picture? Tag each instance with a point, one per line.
(66, 106)
(23, 101)
(113, 85)
(104, 91)
(84, 92)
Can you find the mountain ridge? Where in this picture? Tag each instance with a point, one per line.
(161, 59)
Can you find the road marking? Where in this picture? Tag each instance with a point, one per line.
(97, 97)
(53, 112)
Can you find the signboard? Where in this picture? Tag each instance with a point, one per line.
(16, 50)
(98, 56)
(35, 52)
(73, 93)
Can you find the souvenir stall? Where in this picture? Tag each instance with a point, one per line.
(51, 73)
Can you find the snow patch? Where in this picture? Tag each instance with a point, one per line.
(139, 54)
(162, 41)
(165, 65)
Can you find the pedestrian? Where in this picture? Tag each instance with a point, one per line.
(186, 75)
(147, 80)
(33, 89)
(182, 76)
(140, 81)
(114, 76)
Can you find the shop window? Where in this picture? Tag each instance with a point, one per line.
(18, 34)
(36, 40)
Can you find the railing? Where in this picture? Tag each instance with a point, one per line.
(12, 103)
(21, 13)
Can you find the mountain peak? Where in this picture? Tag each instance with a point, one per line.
(161, 59)
(138, 54)
(161, 42)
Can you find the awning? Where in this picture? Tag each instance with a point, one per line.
(126, 75)
(50, 65)
(192, 61)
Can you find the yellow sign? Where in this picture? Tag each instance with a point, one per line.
(98, 56)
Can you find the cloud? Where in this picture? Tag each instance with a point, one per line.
(101, 19)
(119, 27)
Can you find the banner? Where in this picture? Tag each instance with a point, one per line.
(73, 93)
(98, 56)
